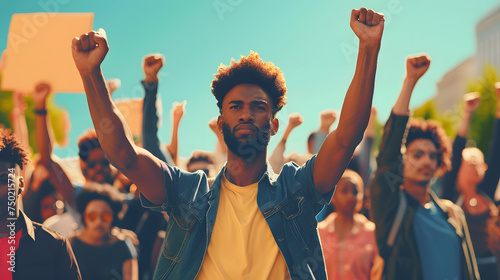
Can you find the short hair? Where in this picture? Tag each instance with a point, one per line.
(104, 192)
(87, 142)
(432, 131)
(349, 173)
(205, 157)
(11, 150)
(251, 70)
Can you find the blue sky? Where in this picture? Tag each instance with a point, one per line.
(310, 41)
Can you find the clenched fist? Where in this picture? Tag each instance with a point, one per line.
(177, 111)
(42, 91)
(152, 65)
(368, 26)
(89, 50)
(471, 102)
(295, 119)
(417, 65)
(328, 117)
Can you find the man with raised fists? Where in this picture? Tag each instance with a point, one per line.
(224, 228)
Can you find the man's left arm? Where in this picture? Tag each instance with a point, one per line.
(340, 144)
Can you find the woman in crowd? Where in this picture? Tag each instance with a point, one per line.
(100, 253)
(347, 237)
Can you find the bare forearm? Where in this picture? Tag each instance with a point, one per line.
(114, 135)
(339, 145)
(286, 134)
(173, 147)
(43, 141)
(358, 101)
(463, 127)
(19, 126)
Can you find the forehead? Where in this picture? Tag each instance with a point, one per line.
(96, 154)
(246, 93)
(98, 205)
(422, 145)
(348, 182)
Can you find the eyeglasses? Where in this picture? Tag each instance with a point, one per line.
(103, 162)
(106, 216)
(417, 154)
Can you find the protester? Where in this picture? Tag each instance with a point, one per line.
(472, 184)
(277, 158)
(282, 220)
(29, 250)
(100, 253)
(419, 235)
(347, 237)
(314, 141)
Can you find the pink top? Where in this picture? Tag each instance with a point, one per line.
(354, 257)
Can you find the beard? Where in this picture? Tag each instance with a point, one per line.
(252, 146)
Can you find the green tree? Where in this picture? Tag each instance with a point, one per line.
(57, 116)
(481, 127)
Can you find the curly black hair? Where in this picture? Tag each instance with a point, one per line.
(251, 70)
(431, 130)
(11, 149)
(103, 192)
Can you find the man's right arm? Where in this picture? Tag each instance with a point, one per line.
(140, 166)
(151, 66)
(384, 189)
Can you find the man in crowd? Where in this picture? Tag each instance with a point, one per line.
(29, 250)
(419, 235)
(217, 228)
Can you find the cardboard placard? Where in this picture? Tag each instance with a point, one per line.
(39, 49)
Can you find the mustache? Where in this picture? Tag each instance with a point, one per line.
(254, 127)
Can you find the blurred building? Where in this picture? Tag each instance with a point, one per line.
(452, 86)
(488, 40)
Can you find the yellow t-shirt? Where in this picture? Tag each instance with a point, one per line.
(242, 245)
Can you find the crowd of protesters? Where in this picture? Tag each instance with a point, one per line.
(341, 211)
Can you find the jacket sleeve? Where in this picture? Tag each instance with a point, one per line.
(385, 186)
(150, 123)
(450, 191)
(492, 175)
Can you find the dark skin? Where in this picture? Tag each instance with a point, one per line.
(142, 168)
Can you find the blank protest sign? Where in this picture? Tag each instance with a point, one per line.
(39, 49)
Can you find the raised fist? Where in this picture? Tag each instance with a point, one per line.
(417, 65)
(89, 50)
(367, 25)
(295, 119)
(42, 91)
(328, 117)
(152, 65)
(471, 101)
(178, 110)
(18, 100)
(113, 84)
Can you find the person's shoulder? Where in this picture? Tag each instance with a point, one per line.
(366, 224)
(47, 234)
(323, 225)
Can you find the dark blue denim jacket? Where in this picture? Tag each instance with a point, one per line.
(289, 203)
